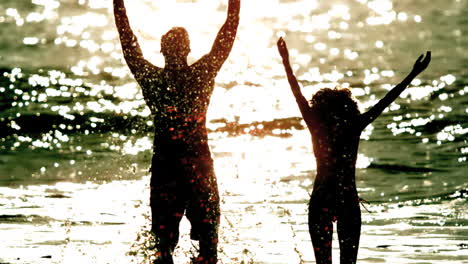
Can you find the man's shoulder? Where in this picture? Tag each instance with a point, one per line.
(204, 65)
(150, 81)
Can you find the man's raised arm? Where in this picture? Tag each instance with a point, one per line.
(296, 90)
(130, 47)
(419, 66)
(225, 39)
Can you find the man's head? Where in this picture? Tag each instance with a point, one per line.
(175, 43)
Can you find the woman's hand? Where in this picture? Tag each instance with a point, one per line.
(421, 63)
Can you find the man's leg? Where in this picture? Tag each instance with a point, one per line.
(167, 209)
(203, 213)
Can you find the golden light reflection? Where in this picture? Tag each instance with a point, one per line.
(267, 176)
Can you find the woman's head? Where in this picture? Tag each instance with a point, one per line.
(333, 106)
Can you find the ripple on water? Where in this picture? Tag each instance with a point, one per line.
(74, 119)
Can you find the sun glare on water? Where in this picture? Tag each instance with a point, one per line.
(89, 199)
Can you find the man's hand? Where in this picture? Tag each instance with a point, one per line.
(224, 41)
(421, 63)
(282, 48)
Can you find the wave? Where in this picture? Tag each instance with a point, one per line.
(33, 107)
(25, 219)
(460, 194)
(392, 168)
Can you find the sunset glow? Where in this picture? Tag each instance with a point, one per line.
(76, 134)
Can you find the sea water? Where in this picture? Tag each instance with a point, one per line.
(76, 135)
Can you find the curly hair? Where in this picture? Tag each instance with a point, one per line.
(334, 105)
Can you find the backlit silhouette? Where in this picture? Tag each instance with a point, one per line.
(335, 124)
(178, 95)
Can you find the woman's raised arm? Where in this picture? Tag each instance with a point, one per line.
(419, 66)
(296, 90)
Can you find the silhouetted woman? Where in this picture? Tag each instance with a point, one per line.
(178, 95)
(335, 123)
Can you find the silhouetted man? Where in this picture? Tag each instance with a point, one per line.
(178, 95)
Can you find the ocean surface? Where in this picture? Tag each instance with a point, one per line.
(76, 135)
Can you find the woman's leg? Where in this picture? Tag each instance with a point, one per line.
(321, 229)
(349, 231)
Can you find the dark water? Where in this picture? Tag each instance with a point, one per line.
(75, 132)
